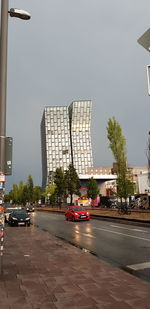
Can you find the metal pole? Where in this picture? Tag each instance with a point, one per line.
(3, 80)
(1, 253)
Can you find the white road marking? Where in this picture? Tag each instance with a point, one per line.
(110, 231)
(139, 266)
(84, 234)
(125, 228)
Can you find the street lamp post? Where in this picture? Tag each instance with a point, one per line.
(3, 81)
(3, 73)
(3, 84)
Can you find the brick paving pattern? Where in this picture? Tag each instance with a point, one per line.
(43, 272)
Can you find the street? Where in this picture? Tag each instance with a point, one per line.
(125, 246)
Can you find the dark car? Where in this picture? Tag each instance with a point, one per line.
(19, 217)
(8, 211)
(77, 213)
(108, 201)
(30, 208)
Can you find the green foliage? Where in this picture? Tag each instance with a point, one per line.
(37, 191)
(6, 198)
(92, 188)
(51, 189)
(117, 143)
(23, 193)
(59, 180)
(30, 188)
(14, 194)
(53, 199)
(50, 193)
(125, 186)
(72, 181)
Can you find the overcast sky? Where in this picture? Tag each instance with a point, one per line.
(77, 50)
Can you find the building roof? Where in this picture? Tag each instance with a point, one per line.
(100, 176)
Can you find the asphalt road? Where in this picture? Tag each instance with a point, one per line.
(125, 246)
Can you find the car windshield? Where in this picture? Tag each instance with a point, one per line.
(8, 210)
(78, 208)
(19, 212)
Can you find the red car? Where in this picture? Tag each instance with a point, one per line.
(76, 213)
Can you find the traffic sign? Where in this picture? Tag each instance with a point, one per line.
(144, 40)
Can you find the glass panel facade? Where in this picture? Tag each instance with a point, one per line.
(66, 138)
(80, 126)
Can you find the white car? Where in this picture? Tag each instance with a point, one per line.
(7, 212)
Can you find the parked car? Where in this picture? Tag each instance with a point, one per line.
(75, 213)
(108, 201)
(7, 212)
(19, 217)
(30, 208)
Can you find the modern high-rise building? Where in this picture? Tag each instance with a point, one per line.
(66, 138)
(80, 132)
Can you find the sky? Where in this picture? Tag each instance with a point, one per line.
(77, 50)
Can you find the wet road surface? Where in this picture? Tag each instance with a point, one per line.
(125, 246)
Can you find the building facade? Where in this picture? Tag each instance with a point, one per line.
(80, 132)
(55, 141)
(66, 138)
(106, 178)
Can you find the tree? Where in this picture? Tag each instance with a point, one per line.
(59, 180)
(15, 194)
(72, 182)
(30, 188)
(25, 195)
(92, 188)
(37, 191)
(50, 193)
(125, 186)
(7, 198)
(21, 191)
(117, 143)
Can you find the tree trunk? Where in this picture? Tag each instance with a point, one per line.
(70, 199)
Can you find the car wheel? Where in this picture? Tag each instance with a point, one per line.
(73, 219)
(66, 218)
(28, 224)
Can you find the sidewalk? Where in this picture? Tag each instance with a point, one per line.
(43, 272)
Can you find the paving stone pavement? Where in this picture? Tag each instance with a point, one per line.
(43, 272)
